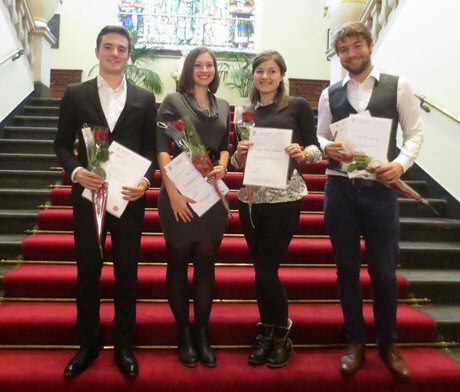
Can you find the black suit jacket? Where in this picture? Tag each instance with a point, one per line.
(134, 129)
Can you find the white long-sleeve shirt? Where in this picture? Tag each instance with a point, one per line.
(358, 95)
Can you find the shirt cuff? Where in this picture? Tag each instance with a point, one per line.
(72, 176)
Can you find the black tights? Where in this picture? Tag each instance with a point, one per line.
(203, 254)
(268, 241)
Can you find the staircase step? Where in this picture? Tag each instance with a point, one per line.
(60, 247)
(17, 221)
(42, 121)
(62, 219)
(429, 229)
(15, 198)
(232, 282)
(31, 178)
(11, 245)
(27, 161)
(447, 317)
(313, 202)
(230, 323)
(430, 254)
(410, 207)
(440, 286)
(41, 110)
(30, 132)
(46, 102)
(26, 146)
(312, 369)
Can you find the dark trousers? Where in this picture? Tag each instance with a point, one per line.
(126, 237)
(348, 212)
(268, 242)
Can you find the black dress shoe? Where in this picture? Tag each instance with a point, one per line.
(126, 362)
(80, 362)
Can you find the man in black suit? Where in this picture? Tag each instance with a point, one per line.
(129, 112)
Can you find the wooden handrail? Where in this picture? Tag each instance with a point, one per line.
(13, 56)
(425, 105)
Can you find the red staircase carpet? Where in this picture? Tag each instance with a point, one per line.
(37, 316)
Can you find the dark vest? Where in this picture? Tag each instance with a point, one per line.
(383, 103)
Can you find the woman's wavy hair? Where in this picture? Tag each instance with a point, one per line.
(186, 82)
(281, 97)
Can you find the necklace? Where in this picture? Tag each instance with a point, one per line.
(205, 107)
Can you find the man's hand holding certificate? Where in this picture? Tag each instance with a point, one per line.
(267, 163)
(125, 167)
(365, 143)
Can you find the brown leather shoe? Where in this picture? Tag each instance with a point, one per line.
(352, 358)
(397, 365)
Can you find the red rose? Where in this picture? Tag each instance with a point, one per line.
(179, 125)
(100, 135)
(248, 116)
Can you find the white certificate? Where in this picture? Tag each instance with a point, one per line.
(267, 163)
(125, 168)
(370, 135)
(189, 181)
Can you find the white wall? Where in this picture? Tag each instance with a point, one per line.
(423, 44)
(298, 31)
(15, 77)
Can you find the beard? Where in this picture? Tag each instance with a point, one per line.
(359, 69)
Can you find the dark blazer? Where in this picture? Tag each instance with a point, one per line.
(134, 129)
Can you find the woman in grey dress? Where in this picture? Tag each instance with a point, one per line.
(189, 237)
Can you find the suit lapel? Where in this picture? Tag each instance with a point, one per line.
(94, 95)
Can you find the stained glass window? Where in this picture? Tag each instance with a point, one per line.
(171, 24)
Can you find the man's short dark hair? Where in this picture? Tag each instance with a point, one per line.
(352, 29)
(113, 29)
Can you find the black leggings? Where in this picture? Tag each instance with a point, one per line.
(203, 254)
(268, 242)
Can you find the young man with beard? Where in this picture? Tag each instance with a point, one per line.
(361, 206)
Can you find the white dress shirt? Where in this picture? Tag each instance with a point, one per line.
(112, 100)
(358, 95)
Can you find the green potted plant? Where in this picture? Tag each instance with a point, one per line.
(136, 71)
(237, 74)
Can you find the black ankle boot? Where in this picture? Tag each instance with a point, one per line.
(205, 353)
(264, 345)
(282, 346)
(187, 352)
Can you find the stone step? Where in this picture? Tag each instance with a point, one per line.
(418, 186)
(17, 221)
(26, 146)
(13, 198)
(30, 132)
(429, 254)
(27, 161)
(411, 207)
(45, 102)
(29, 178)
(36, 121)
(429, 229)
(11, 246)
(41, 110)
(440, 286)
(447, 319)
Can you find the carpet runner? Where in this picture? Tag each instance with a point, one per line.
(37, 315)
